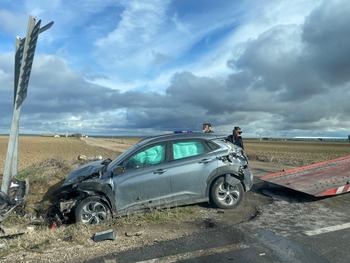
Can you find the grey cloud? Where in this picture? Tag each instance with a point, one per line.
(211, 95)
(327, 33)
(55, 88)
(276, 64)
(162, 118)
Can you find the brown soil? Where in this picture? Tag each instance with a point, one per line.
(35, 149)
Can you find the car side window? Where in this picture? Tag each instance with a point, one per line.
(183, 149)
(213, 146)
(150, 156)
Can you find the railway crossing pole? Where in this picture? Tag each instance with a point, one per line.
(24, 57)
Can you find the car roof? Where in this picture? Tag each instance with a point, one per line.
(179, 136)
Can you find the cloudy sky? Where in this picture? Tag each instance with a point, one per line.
(130, 67)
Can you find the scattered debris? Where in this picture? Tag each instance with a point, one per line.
(30, 228)
(257, 213)
(68, 238)
(35, 246)
(3, 245)
(18, 191)
(82, 157)
(105, 235)
(53, 226)
(136, 234)
(12, 236)
(209, 223)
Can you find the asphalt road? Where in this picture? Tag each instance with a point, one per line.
(294, 227)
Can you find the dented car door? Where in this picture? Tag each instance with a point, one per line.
(145, 182)
(192, 164)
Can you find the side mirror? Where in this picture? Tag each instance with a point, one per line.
(118, 170)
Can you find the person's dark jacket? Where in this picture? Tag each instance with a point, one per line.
(236, 140)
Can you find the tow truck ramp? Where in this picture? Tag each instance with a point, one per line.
(320, 179)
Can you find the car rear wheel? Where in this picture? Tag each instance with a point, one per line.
(225, 195)
(92, 210)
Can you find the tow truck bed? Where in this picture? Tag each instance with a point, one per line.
(320, 179)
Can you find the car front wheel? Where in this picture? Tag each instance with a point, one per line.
(225, 195)
(92, 210)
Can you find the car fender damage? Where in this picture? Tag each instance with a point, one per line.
(231, 180)
(242, 173)
(70, 196)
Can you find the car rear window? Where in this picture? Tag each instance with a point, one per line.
(187, 149)
(213, 146)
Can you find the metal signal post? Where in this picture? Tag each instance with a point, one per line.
(25, 50)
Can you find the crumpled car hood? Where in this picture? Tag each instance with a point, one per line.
(83, 172)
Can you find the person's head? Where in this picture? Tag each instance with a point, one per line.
(206, 127)
(237, 131)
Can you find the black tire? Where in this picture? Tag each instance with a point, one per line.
(226, 196)
(92, 210)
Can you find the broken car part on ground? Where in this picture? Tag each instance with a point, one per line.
(16, 197)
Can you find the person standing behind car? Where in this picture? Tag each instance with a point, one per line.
(236, 137)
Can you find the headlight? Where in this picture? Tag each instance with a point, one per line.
(236, 152)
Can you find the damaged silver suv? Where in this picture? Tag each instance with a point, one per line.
(163, 171)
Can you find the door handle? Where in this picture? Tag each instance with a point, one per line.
(207, 160)
(159, 171)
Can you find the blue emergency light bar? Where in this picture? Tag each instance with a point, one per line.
(180, 131)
